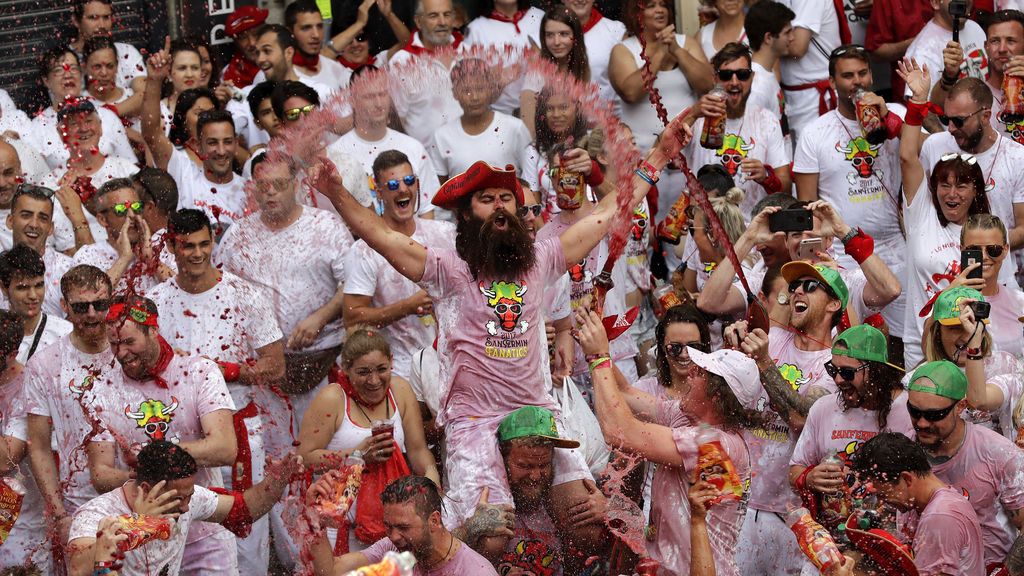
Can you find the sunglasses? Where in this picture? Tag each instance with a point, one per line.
(993, 250)
(847, 49)
(676, 349)
(535, 208)
(958, 121)
(743, 74)
(31, 190)
(968, 158)
(848, 374)
(120, 209)
(934, 415)
(808, 284)
(408, 180)
(361, 38)
(101, 305)
(293, 114)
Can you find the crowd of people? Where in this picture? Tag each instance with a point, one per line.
(538, 292)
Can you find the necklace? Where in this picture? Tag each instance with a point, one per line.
(387, 410)
(451, 544)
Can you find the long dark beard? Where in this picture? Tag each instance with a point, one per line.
(493, 253)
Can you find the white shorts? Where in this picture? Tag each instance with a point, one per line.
(474, 462)
(767, 547)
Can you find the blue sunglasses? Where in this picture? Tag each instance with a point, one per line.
(409, 181)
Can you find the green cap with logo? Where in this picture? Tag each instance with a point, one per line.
(944, 379)
(533, 421)
(946, 310)
(862, 342)
(797, 269)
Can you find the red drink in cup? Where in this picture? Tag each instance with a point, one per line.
(381, 427)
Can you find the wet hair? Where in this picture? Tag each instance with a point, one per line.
(635, 8)
(178, 133)
(284, 37)
(362, 342)
(729, 53)
(84, 277)
(78, 6)
(368, 68)
(49, 58)
(888, 455)
(578, 65)
(20, 261)
(976, 88)
(12, 331)
(419, 490)
(157, 187)
(288, 88)
(766, 17)
(780, 199)
(1002, 17)
(213, 117)
(681, 314)
(388, 159)
(97, 43)
(846, 52)
(881, 380)
(962, 171)
(258, 94)
(984, 221)
(548, 140)
(734, 415)
(291, 13)
(163, 461)
(188, 221)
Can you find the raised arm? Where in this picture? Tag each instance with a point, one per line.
(261, 498)
(719, 296)
(158, 67)
(917, 80)
(406, 255)
(582, 236)
(981, 394)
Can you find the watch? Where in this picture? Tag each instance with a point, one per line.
(850, 236)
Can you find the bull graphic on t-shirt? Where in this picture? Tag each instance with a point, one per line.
(862, 156)
(734, 149)
(639, 224)
(86, 385)
(794, 375)
(154, 417)
(1015, 129)
(506, 299)
(531, 557)
(578, 272)
(975, 64)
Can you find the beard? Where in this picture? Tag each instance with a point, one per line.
(494, 253)
(969, 142)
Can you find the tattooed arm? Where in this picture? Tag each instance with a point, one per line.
(1015, 559)
(488, 530)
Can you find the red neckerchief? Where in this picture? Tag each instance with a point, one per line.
(372, 60)
(241, 71)
(595, 17)
(418, 50)
(338, 376)
(514, 20)
(311, 62)
(166, 354)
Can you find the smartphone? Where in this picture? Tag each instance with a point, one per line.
(968, 257)
(958, 12)
(808, 249)
(795, 220)
(981, 309)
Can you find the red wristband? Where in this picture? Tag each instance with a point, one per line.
(917, 111)
(239, 520)
(860, 247)
(893, 125)
(232, 371)
(596, 177)
(771, 183)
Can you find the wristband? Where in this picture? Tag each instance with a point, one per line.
(596, 176)
(916, 112)
(974, 354)
(648, 172)
(108, 564)
(232, 371)
(948, 82)
(771, 182)
(644, 176)
(598, 356)
(860, 247)
(239, 519)
(101, 571)
(602, 362)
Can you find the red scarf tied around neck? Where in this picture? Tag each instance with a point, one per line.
(514, 20)
(164, 360)
(304, 61)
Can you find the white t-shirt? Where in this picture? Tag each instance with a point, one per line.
(63, 237)
(59, 384)
(228, 322)
(365, 152)
(422, 93)
(928, 45)
(103, 256)
(1007, 306)
(332, 75)
(156, 556)
(23, 542)
(600, 39)
(765, 92)
(819, 17)
(369, 274)
(301, 267)
(706, 37)
(505, 141)
(676, 95)
(46, 138)
(425, 378)
(53, 330)
(224, 203)
(755, 135)
(129, 64)
(33, 164)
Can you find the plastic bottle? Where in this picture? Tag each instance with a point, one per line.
(835, 506)
(12, 494)
(671, 229)
(665, 298)
(814, 540)
(1013, 98)
(141, 529)
(345, 490)
(870, 118)
(715, 467)
(713, 134)
(393, 564)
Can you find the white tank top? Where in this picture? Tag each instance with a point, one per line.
(675, 92)
(349, 434)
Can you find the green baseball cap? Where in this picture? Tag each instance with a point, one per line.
(946, 310)
(793, 271)
(944, 379)
(862, 342)
(533, 421)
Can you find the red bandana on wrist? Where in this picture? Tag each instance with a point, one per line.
(371, 61)
(304, 61)
(417, 50)
(595, 17)
(514, 20)
(134, 313)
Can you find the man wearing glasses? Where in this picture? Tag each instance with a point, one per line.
(376, 293)
(870, 399)
(979, 462)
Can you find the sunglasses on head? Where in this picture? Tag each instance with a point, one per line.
(101, 305)
(848, 374)
(934, 415)
(535, 208)
(993, 250)
(968, 158)
(293, 114)
(958, 121)
(408, 180)
(848, 49)
(743, 74)
(122, 208)
(24, 189)
(676, 349)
